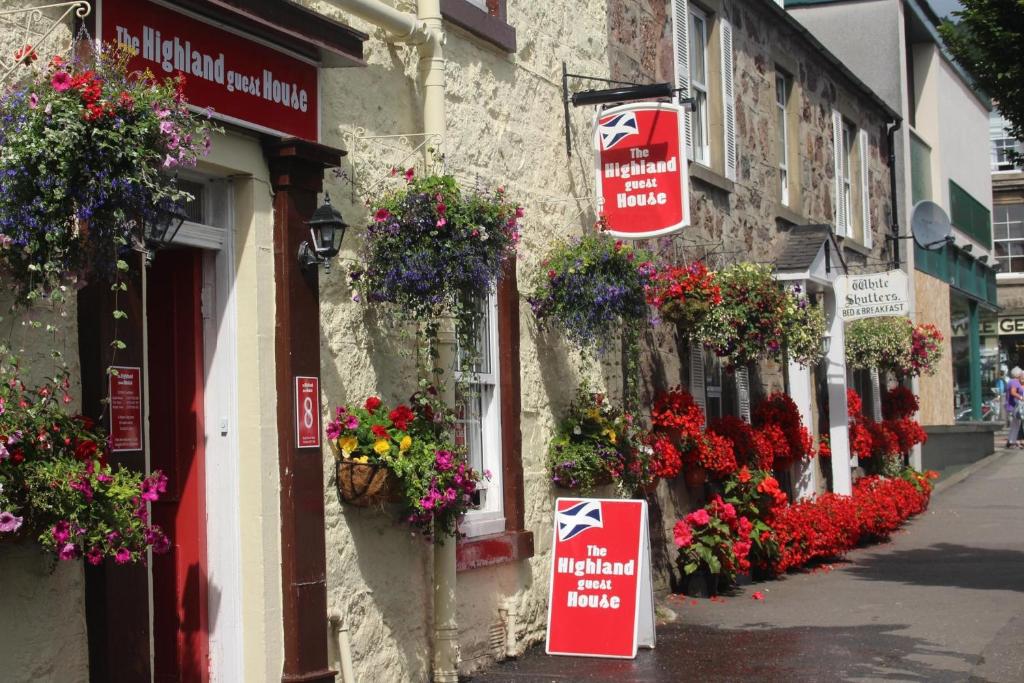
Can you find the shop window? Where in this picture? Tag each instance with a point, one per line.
(478, 425)
(1008, 232)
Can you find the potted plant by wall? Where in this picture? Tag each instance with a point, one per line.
(778, 418)
(596, 444)
(404, 455)
(56, 486)
(87, 153)
(714, 545)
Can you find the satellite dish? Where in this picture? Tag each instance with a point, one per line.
(930, 225)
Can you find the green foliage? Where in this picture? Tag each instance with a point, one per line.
(55, 483)
(85, 154)
(988, 40)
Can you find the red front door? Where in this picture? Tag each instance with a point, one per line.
(176, 362)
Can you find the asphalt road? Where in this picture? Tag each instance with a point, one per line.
(942, 602)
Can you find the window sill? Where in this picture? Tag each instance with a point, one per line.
(487, 551)
(856, 247)
(784, 213)
(1010, 278)
(489, 28)
(706, 175)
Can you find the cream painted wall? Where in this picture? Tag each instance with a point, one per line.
(505, 127)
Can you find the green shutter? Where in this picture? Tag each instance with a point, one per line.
(969, 215)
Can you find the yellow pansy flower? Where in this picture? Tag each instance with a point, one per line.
(347, 444)
(382, 446)
(404, 444)
(362, 459)
(610, 433)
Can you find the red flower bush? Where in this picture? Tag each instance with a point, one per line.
(899, 402)
(667, 461)
(883, 441)
(779, 410)
(675, 411)
(715, 454)
(741, 434)
(831, 525)
(907, 432)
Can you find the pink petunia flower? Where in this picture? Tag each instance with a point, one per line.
(409, 173)
(33, 101)
(381, 215)
(61, 81)
(9, 523)
(68, 551)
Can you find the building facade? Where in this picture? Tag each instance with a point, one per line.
(939, 150)
(791, 165)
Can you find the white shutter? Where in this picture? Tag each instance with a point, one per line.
(697, 376)
(681, 47)
(876, 396)
(743, 393)
(865, 199)
(728, 99)
(837, 143)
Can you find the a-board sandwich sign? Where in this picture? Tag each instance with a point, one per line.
(642, 181)
(600, 602)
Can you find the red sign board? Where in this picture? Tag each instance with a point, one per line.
(243, 79)
(126, 409)
(600, 603)
(642, 182)
(307, 412)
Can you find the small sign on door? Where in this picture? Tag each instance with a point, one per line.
(307, 412)
(601, 603)
(125, 391)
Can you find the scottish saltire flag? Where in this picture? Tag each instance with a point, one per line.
(579, 518)
(618, 128)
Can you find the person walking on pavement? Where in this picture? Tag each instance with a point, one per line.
(1014, 406)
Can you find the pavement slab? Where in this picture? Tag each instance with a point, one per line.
(942, 601)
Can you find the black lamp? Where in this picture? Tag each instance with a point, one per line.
(160, 231)
(326, 230)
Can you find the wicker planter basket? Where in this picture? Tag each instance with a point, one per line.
(365, 485)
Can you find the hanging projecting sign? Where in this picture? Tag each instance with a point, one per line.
(869, 296)
(242, 79)
(125, 409)
(600, 602)
(642, 182)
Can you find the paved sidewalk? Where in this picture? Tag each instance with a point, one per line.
(943, 601)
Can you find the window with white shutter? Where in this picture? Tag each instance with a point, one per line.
(865, 198)
(681, 49)
(743, 393)
(842, 174)
(698, 56)
(697, 376)
(782, 132)
(728, 98)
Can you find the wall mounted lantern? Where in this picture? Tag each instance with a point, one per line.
(161, 229)
(326, 230)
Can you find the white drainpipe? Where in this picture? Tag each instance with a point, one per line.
(426, 31)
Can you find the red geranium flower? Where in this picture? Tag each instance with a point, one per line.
(379, 431)
(372, 403)
(401, 416)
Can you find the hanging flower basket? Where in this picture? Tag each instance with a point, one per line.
(364, 485)
(684, 295)
(591, 289)
(87, 154)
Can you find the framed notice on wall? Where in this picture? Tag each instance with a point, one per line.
(125, 393)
